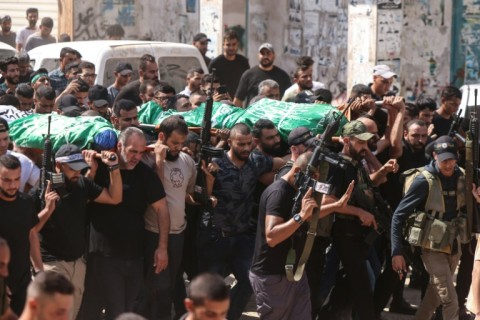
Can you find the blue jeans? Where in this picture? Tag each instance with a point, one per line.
(216, 252)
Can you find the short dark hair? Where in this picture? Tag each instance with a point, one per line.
(411, 109)
(194, 70)
(32, 10)
(48, 283)
(66, 50)
(144, 85)
(64, 37)
(426, 102)
(9, 100)
(417, 122)
(6, 62)
(115, 30)
(24, 90)
(70, 66)
(82, 86)
(47, 22)
(450, 92)
(207, 78)
(323, 94)
(123, 104)
(23, 57)
(9, 162)
(304, 61)
(260, 125)
(85, 65)
(230, 35)
(207, 286)
(146, 58)
(173, 123)
(166, 88)
(46, 92)
(358, 90)
(240, 128)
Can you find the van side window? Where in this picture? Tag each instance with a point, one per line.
(174, 70)
(111, 63)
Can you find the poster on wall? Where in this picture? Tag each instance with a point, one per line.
(293, 42)
(389, 25)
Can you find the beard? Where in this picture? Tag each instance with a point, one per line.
(266, 63)
(171, 157)
(8, 195)
(242, 156)
(372, 146)
(12, 80)
(6, 29)
(358, 156)
(273, 150)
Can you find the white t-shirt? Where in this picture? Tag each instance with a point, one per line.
(23, 34)
(179, 178)
(291, 92)
(30, 172)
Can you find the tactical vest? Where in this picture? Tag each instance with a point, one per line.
(427, 229)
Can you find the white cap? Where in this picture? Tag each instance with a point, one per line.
(383, 71)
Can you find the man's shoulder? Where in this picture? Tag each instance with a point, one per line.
(57, 73)
(218, 59)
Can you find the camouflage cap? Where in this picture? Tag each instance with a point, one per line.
(356, 129)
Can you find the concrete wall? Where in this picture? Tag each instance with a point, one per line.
(165, 20)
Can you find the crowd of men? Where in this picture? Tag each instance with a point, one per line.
(126, 227)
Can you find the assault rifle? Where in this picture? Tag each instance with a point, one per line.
(455, 125)
(321, 158)
(48, 173)
(471, 169)
(207, 152)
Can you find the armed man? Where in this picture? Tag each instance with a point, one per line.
(435, 201)
(354, 224)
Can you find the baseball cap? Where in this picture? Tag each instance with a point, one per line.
(383, 71)
(300, 135)
(72, 156)
(267, 46)
(72, 111)
(356, 129)
(124, 68)
(200, 37)
(98, 95)
(445, 148)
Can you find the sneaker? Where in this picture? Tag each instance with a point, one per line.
(402, 307)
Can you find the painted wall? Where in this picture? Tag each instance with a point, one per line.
(166, 20)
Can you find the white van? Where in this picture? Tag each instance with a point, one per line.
(174, 59)
(6, 51)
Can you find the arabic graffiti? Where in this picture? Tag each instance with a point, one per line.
(89, 26)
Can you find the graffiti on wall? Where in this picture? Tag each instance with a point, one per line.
(90, 22)
(471, 43)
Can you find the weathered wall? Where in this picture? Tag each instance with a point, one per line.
(166, 20)
(211, 17)
(425, 47)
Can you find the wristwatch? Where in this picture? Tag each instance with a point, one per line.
(297, 218)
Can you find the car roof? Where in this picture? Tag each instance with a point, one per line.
(4, 46)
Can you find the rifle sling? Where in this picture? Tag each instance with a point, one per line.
(291, 257)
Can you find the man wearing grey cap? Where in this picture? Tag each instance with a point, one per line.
(248, 86)
(123, 74)
(354, 224)
(64, 234)
(7, 35)
(435, 197)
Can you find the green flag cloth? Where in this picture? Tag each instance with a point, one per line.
(30, 131)
(285, 115)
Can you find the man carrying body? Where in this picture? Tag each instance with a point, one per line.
(63, 237)
(229, 66)
(194, 80)
(226, 239)
(248, 85)
(24, 33)
(436, 193)
(124, 114)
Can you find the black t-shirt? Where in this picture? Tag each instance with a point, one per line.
(64, 233)
(248, 86)
(441, 125)
(118, 230)
(131, 92)
(229, 72)
(17, 218)
(277, 200)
